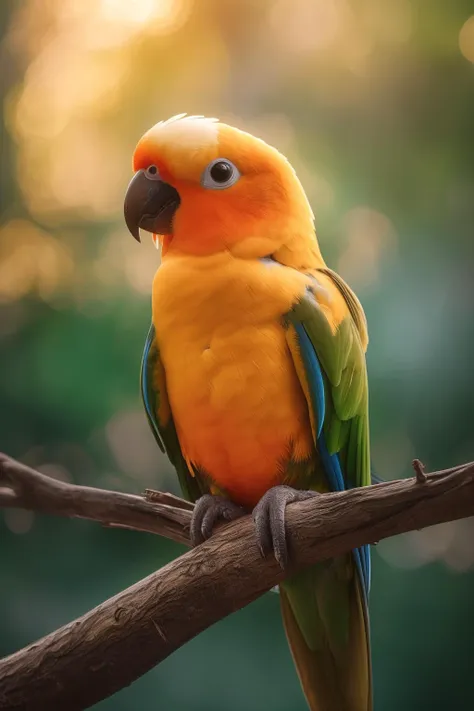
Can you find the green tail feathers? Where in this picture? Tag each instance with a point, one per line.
(326, 623)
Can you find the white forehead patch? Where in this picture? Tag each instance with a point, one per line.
(187, 132)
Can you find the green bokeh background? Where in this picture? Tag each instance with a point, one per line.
(373, 101)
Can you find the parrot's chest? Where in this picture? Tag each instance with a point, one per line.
(233, 390)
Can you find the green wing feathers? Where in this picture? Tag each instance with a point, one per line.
(324, 608)
(333, 661)
(158, 411)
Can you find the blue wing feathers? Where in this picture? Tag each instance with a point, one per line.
(330, 462)
(331, 465)
(314, 375)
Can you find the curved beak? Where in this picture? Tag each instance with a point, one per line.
(150, 204)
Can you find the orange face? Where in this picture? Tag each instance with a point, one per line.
(235, 192)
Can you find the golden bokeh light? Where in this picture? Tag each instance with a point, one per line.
(32, 261)
(84, 71)
(337, 35)
(120, 259)
(370, 236)
(154, 16)
(68, 160)
(466, 39)
(303, 26)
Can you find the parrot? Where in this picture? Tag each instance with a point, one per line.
(254, 378)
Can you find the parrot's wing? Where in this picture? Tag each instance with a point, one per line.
(330, 363)
(325, 607)
(158, 411)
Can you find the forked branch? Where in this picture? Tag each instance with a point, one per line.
(118, 641)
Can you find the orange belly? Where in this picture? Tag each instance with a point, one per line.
(239, 410)
(234, 393)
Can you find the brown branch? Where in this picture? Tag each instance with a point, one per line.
(23, 487)
(114, 644)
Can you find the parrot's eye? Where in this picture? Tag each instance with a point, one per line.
(220, 174)
(152, 172)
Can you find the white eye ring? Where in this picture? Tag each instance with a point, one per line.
(220, 174)
(152, 173)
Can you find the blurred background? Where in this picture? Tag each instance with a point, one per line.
(373, 102)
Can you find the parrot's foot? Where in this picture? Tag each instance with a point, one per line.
(269, 519)
(207, 511)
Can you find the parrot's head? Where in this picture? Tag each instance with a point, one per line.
(202, 187)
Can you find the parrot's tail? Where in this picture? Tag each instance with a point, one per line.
(326, 623)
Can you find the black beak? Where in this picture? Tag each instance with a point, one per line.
(150, 204)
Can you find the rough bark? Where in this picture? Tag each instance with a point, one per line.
(112, 645)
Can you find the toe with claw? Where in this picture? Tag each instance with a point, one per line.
(208, 510)
(269, 519)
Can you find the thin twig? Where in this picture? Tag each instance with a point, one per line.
(168, 499)
(419, 468)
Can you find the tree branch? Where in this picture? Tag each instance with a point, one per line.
(164, 514)
(114, 644)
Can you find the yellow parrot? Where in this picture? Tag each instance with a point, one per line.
(254, 377)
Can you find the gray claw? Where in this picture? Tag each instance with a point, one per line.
(269, 519)
(207, 511)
